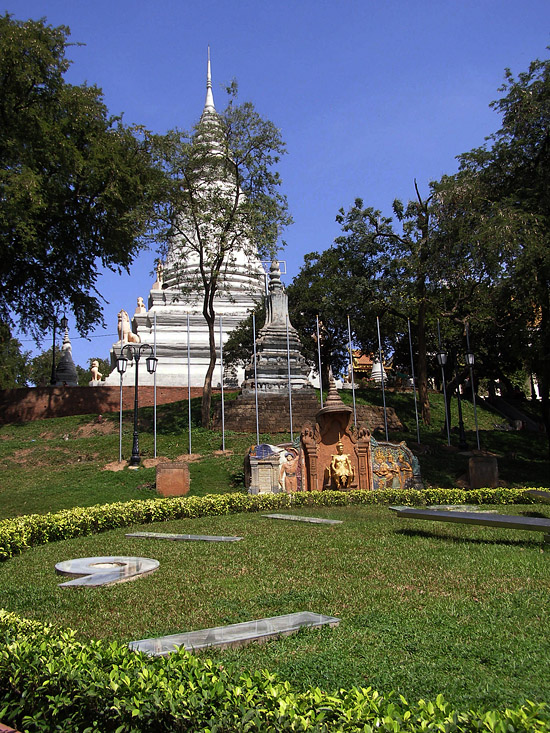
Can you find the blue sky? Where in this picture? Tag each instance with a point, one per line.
(369, 95)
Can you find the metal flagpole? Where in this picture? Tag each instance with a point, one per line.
(414, 383)
(382, 377)
(447, 412)
(352, 376)
(472, 383)
(120, 421)
(221, 383)
(155, 384)
(319, 358)
(289, 381)
(189, 383)
(255, 379)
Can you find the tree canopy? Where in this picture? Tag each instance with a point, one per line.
(75, 183)
(498, 207)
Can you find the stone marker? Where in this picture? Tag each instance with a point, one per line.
(296, 518)
(540, 495)
(176, 537)
(234, 634)
(173, 478)
(483, 472)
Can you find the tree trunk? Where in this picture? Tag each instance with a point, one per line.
(207, 389)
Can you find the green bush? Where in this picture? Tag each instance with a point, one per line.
(27, 531)
(51, 681)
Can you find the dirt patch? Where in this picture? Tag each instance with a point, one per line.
(152, 462)
(115, 466)
(225, 453)
(106, 427)
(189, 457)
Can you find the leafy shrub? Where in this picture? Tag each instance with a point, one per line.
(27, 531)
(51, 681)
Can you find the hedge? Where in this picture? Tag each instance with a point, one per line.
(21, 533)
(50, 681)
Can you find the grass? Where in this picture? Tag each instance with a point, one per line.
(439, 608)
(453, 609)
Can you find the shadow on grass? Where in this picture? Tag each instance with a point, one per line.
(426, 534)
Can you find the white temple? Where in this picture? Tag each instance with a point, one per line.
(175, 299)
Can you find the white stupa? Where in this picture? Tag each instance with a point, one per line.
(178, 293)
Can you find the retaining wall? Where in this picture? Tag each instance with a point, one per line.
(34, 403)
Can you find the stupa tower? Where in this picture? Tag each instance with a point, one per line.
(178, 289)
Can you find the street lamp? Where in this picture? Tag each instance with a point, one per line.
(135, 351)
(64, 323)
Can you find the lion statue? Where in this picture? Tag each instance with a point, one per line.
(125, 333)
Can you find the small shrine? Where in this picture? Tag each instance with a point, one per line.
(332, 455)
(336, 456)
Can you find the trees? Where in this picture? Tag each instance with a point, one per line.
(14, 363)
(220, 202)
(75, 184)
(498, 205)
(325, 287)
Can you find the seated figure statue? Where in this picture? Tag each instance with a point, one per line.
(341, 469)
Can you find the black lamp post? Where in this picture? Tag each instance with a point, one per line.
(135, 351)
(64, 323)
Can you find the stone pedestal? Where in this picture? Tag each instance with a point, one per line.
(483, 472)
(264, 478)
(173, 479)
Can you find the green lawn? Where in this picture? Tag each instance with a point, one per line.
(425, 608)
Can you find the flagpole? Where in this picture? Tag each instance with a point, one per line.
(319, 359)
(221, 383)
(189, 383)
(382, 376)
(352, 376)
(255, 379)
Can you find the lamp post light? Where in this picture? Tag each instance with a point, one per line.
(135, 351)
(64, 323)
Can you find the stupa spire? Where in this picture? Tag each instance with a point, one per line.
(209, 102)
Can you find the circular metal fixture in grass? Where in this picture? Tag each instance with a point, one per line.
(97, 571)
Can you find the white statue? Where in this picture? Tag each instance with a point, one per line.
(140, 306)
(125, 334)
(96, 374)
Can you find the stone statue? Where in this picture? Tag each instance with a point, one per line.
(157, 285)
(341, 469)
(96, 374)
(125, 333)
(140, 306)
(288, 479)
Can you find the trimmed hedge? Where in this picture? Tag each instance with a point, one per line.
(49, 681)
(21, 533)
